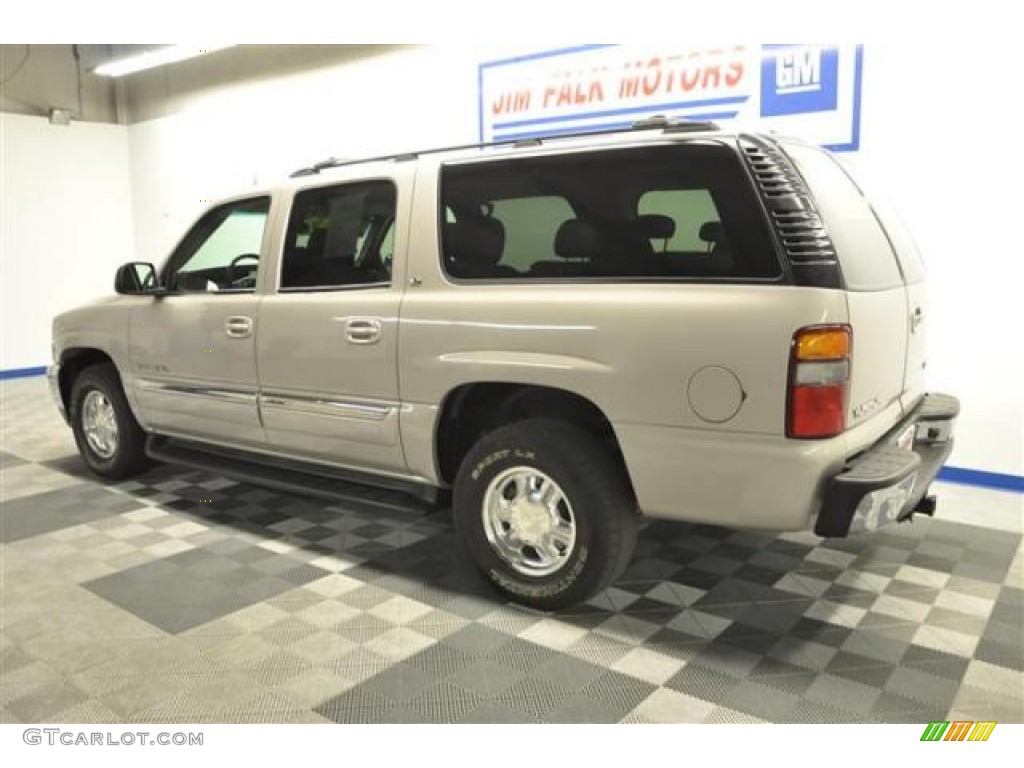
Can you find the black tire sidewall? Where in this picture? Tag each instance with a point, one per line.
(523, 445)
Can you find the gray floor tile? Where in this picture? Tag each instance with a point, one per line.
(485, 677)
(268, 607)
(175, 596)
(51, 511)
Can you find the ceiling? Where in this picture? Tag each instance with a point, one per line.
(36, 78)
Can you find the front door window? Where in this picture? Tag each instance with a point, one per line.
(222, 251)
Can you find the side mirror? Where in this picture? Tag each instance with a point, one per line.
(137, 278)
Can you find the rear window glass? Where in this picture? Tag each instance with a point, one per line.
(669, 212)
(865, 255)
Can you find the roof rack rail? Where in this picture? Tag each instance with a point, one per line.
(658, 122)
(673, 124)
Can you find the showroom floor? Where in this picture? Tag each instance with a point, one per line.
(186, 597)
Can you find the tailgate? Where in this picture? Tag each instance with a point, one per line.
(876, 296)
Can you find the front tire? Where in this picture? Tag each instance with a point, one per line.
(546, 512)
(106, 432)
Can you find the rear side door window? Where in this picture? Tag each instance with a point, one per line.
(340, 236)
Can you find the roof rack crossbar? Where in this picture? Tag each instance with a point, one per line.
(658, 122)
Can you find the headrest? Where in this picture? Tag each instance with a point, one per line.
(655, 226)
(477, 241)
(577, 239)
(710, 231)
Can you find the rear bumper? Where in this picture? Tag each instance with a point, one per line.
(888, 481)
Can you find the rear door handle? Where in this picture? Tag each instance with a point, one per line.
(363, 330)
(238, 327)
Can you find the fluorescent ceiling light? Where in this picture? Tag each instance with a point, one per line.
(157, 58)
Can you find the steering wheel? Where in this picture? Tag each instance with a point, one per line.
(245, 281)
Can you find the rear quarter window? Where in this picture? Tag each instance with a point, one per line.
(670, 212)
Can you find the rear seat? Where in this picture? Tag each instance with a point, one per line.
(474, 246)
(576, 244)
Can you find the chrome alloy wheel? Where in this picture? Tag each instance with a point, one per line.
(529, 521)
(99, 424)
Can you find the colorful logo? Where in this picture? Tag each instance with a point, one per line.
(958, 730)
(796, 79)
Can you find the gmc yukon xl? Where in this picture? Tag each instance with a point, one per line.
(569, 334)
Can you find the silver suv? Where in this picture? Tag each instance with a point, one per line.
(570, 334)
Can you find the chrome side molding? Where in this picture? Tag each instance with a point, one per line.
(244, 396)
(331, 408)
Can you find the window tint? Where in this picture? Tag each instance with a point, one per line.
(670, 212)
(531, 224)
(865, 256)
(222, 251)
(340, 236)
(688, 209)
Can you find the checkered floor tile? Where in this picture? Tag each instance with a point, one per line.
(180, 596)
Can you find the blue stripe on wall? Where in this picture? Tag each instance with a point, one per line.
(21, 373)
(982, 479)
(961, 475)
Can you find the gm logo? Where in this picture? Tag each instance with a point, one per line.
(798, 78)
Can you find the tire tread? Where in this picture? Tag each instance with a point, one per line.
(592, 463)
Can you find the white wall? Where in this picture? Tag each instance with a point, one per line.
(934, 135)
(65, 225)
(230, 138)
(931, 135)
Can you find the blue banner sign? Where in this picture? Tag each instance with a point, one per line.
(810, 91)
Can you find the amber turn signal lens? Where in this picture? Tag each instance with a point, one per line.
(823, 344)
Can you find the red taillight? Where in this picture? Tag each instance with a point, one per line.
(819, 372)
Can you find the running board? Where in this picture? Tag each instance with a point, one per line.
(296, 476)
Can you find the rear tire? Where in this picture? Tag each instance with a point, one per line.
(106, 432)
(545, 512)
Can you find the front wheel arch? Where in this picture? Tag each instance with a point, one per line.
(100, 385)
(73, 361)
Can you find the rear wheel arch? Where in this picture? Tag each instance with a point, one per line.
(544, 512)
(470, 411)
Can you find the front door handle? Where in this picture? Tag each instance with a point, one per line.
(363, 330)
(238, 327)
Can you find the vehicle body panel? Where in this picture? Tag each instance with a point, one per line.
(189, 376)
(692, 375)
